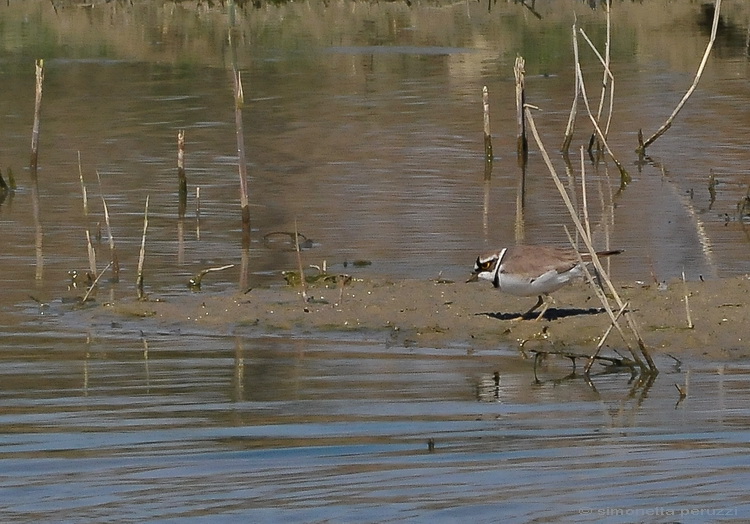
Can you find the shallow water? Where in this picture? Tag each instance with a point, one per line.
(363, 123)
(200, 426)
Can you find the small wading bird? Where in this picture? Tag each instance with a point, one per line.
(526, 271)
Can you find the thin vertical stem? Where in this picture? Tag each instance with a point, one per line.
(37, 115)
(114, 259)
(574, 106)
(299, 263)
(182, 179)
(239, 99)
(142, 256)
(522, 146)
(487, 134)
(34, 162)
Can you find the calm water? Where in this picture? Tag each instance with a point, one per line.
(363, 123)
(206, 427)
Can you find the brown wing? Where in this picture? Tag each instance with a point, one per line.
(532, 261)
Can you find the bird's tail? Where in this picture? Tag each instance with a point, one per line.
(601, 254)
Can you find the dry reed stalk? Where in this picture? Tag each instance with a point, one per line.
(624, 176)
(142, 255)
(609, 78)
(239, 99)
(571, 185)
(299, 263)
(115, 261)
(603, 299)
(93, 284)
(599, 346)
(182, 193)
(607, 73)
(92, 254)
(486, 120)
(584, 198)
(519, 229)
(33, 165)
(39, 67)
(83, 188)
(594, 258)
(687, 303)
(574, 106)
(89, 246)
(663, 129)
(522, 144)
(486, 207)
(181, 196)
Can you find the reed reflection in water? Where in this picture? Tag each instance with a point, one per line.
(237, 427)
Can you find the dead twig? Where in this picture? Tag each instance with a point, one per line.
(93, 284)
(195, 282)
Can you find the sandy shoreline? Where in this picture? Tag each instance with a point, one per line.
(435, 314)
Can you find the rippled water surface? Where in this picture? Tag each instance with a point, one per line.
(362, 124)
(194, 427)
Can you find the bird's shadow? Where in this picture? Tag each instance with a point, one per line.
(551, 314)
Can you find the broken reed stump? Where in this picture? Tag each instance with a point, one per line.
(182, 179)
(33, 164)
(37, 116)
(239, 100)
(522, 144)
(142, 255)
(487, 134)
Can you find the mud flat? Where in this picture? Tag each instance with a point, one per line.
(439, 313)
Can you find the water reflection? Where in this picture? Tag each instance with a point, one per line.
(369, 135)
(123, 428)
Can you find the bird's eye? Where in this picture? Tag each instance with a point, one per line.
(484, 266)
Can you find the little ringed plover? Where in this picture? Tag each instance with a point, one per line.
(529, 270)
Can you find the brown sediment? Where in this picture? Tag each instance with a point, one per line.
(438, 313)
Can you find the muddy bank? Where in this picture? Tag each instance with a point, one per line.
(435, 314)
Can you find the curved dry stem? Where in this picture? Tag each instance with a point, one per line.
(663, 129)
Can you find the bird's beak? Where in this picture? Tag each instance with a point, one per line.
(474, 277)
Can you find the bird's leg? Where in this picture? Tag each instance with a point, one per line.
(530, 311)
(547, 303)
